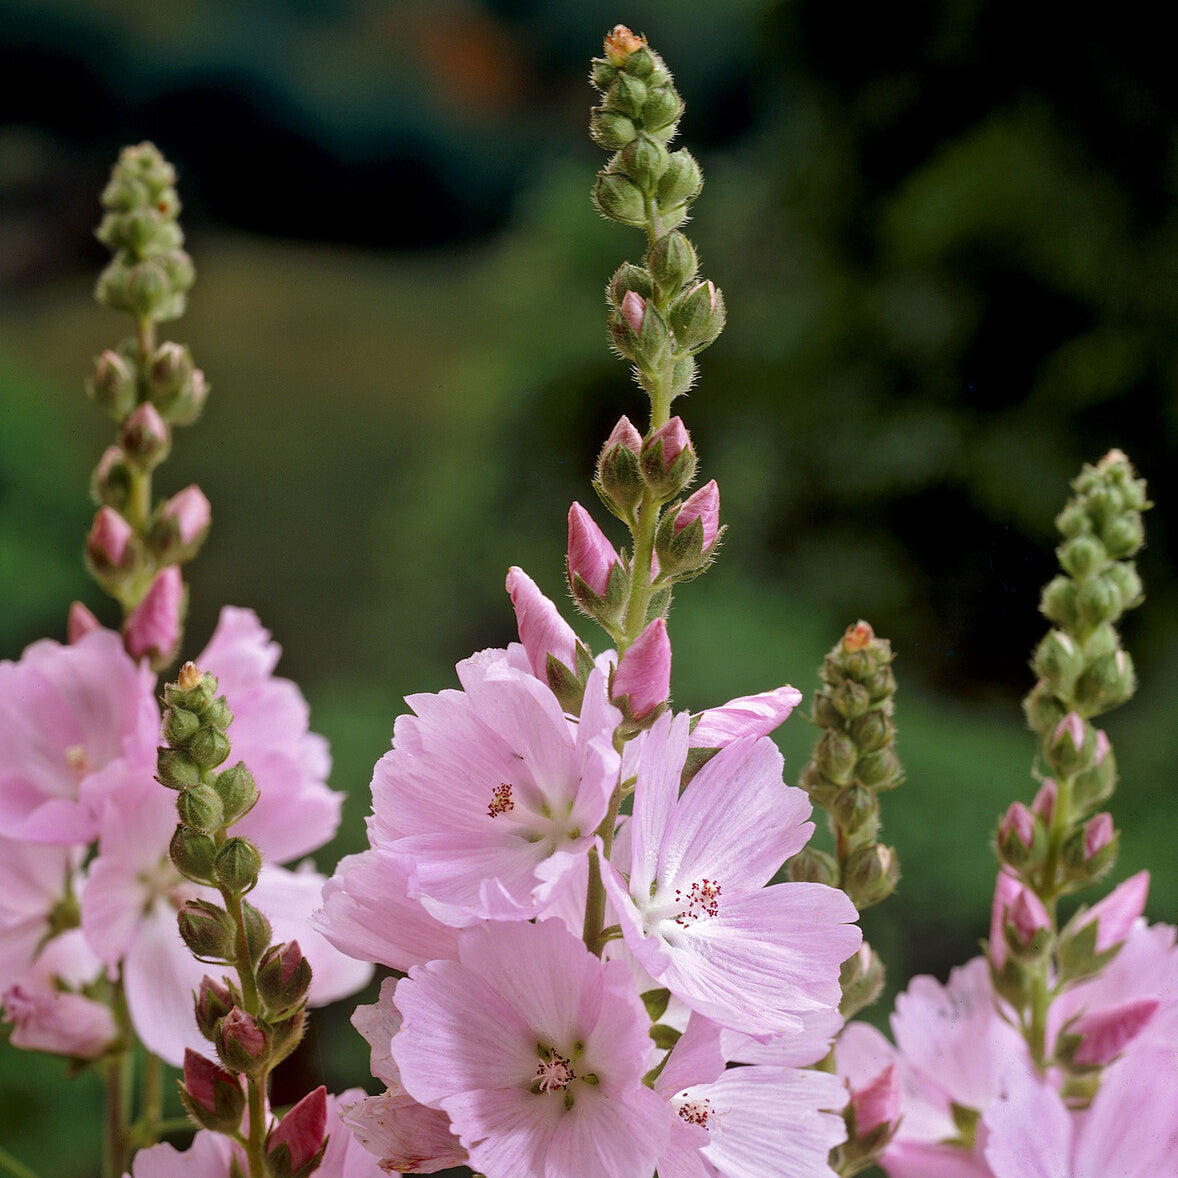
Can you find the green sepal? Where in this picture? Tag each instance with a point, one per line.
(655, 1002)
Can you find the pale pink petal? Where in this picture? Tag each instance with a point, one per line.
(541, 628)
(408, 1137)
(1115, 914)
(750, 715)
(209, 1156)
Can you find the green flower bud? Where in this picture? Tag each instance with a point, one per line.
(217, 715)
(207, 930)
(284, 976)
(697, 316)
(626, 278)
(862, 979)
(214, 1000)
(872, 731)
(871, 875)
(237, 865)
(850, 699)
(194, 689)
(1058, 603)
(1123, 535)
(644, 161)
(811, 865)
(110, 483)
(626, 96)
(209, 747)
(682, 375)
(1128, 585)
(835, 756)
(681, 182)
(672, 261)
(611, 129)
(641, 63)
(1058, 659)
(257, 931)
(200, 809)
(661, 109)
(1082, 555)
(1043, 708)
(619, 198)
(602, 73)
(856, 809)
(193, 854)
(1107, 683)
(1073, 520)
(238, 792)
(1095, 785)
(244, 1043)
(1097, 602)
(880, 770)
(825, 713)
(113, 384)
(175, 769)
(180, 725)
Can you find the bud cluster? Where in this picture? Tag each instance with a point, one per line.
(661, 313)
(134, 549)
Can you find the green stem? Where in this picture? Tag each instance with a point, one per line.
(255, 1150)
(10, 1165)
(116, 1079)
(153, 1099)
(595, 896)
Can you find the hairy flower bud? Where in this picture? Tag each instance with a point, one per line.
(697, 316)
(871, 875)
(673, 262)
(295, 1146)
(145, 437)
(243, 1043)
(200, 809)
(642, 681)
(112, 384)
(619, 480)
(153, 629)
(207, 930)
(213, 1096)
(237, 865)
(668, 460)
(237, 790)
(680, 183)
(193, 853)
(214, 1000)
(284, 976)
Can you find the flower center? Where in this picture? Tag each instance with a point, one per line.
(554, 1073)
(501, 800)
(696, 1112)
(77, 760)
(701, 900)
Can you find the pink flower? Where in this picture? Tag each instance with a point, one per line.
(704, 505)
(542, 630)
(643, 677)
(490, 796)
(153, 628)
(536, 1050)
(71, 717)
(1130, 1130)
(749, 715)
(696, 912)
(296, 813)
(591, 557)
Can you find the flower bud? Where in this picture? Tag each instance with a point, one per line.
(110, 483)
(611, 129)
(1058, 603)
(1070, 746)
(680, 183)
(877, 1105)
(620, 43)
(1042, 708)
(242, 1042)
(1091, 851)
(697, 317)
(1058, 659)
(1043, 805)
(237, 790)
(1021, 841)
(1128, 585)
(109, 545)
(686, 540)
(1097, 602)
(1082, 555)
(1097, 1037)
(180, 725)
(835, 755)
(175, 769)
(1113, 916)
(209, 747)
(181, 526)
(661, 110)
(638, 331)
(673, 263)
(295, 1146)
(595, 574)
(1018, 922)
(626, 95)
(642, 680)
(644, 160)
(668, 460)
(237, 865)
(80, 623)
(199, 809)
(257, 931)
(856, 809)
(112, 384)
(619, 198)
(207, 930)
(145, 437)
(871, 875)
(880, 770)
(619, 480)
(154, 627)
(284, 976)
(862, 980)
(193, 854)
(872, 731)
(1094, 785)
(213, 1002)
(849, 700)
(213, 1096)
(1108, 682)
(811, 865)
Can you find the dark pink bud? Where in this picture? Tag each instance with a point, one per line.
(1098, 833)
(634, 310)
(242, 1043)
(542, 630)
(301, 1131)
(1027, 915)
(190, 511)
(109, 537)
(1018, 823)
(624, 434)
(81, 622)
(1017, 907)
(202, 1077)
(644, 672)
(152, 629)
(704, 505)
(146, 437)
(591, 556)
(877, 1103)
(672, 439)
(1104, 1034)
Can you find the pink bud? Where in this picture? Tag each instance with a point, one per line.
(1115, 914)
(201, 1078)
(191, 512)
(81, 622)
(644, 672)
(591, 556)
(45, 1019)
(1019, 820)
(152, 629)
(1027, 915)
(624, 434)
(1044, 803)
(673, 440)
(145, 435)
(1106, 1033)
(750, 715)
(877, 1103)
(241, 1029)
(541, 628)
(1098, 833)
(704, 505)
(1014, 904)
(1102, 746)
(302, 1130)
(109, 536)
(634, 310)
(1072, 726)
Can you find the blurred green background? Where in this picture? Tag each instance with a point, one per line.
(947, 236)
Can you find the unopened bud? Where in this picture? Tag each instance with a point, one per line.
(284, 976)
(176, 769)
(153, 629)
(680, 183)
(237, 865)
(209, 747)
(213, 1096)
(862, 980)
(110, 484)
(620, 43)
(811, 865)
(668, 459)
(181, 526)
(199, 809)
(257, 931)
(673, 263)
(642, 680)
(193, 854)
(855, 809)
(1021, 841)
(871, 875)
(214, 1000)
(697, 316)
(238, 791)
(145, 437)
(295, 1146)
(109, 545)
(619, 479)
(687, 537)
(207, 930)
(835, 756)
(242, 1042)
(619, 198)
(595, 574)
(1108, 682)
(1091, 851)
(112, 384)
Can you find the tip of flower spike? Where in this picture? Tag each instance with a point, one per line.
(858, 637)
(620, 43)
(190, 676)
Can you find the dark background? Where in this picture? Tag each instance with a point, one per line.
(947, 237)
